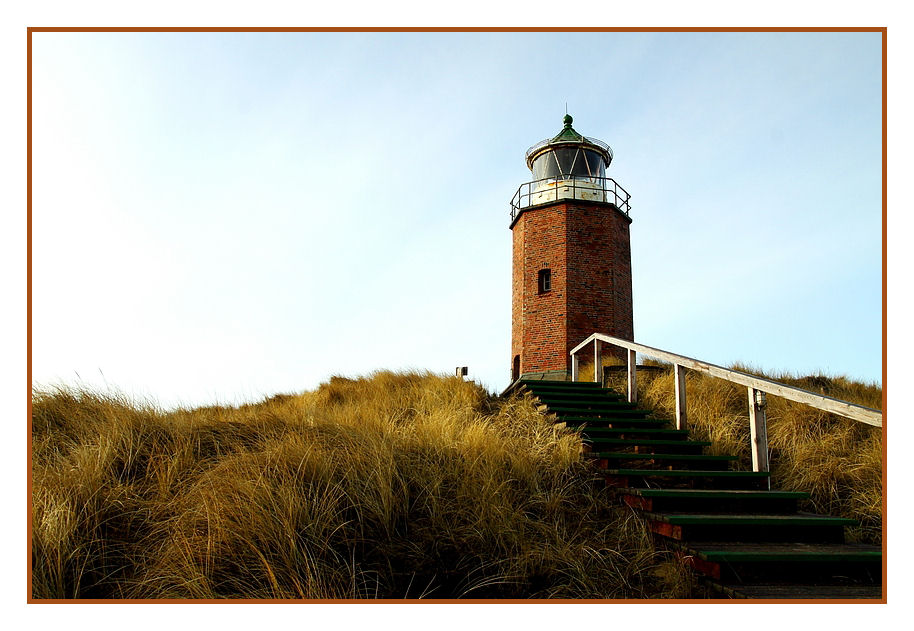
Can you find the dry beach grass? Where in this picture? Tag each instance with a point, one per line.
(392, 486)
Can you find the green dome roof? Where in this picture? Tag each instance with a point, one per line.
(569, 135)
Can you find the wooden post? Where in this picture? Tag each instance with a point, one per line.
(758, 430)
(680, 392)
(632, 383)
(598, 361)
(574, 366)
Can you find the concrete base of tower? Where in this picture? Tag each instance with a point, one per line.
(548, 375)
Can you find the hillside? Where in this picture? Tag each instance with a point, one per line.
(391, 486)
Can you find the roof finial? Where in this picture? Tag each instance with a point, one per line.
(567, 120)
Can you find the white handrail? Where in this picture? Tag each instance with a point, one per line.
(757, 387)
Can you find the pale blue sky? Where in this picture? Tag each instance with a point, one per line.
(219, 217)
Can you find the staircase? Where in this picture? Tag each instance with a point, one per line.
(744, 540)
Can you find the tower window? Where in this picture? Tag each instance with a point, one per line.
(544, 280)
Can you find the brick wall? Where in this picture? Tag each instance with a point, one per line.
(586, 245)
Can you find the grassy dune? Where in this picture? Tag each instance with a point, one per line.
(393, 486)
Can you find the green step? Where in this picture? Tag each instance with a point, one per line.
(656, 462)
(601, 395)
(614, 431)
(627, 455)
(798, 565)
(576, 415)
(711, 501)
(603, 412)
(684, 474)
(646, 442)
(602, 408)
(587, 422)
(804, 592)
(664, 478)
(575, 392)
(749, 528)
(610, 397)
(721, 494)
(798, 520)
(608, 402)
(785, 552)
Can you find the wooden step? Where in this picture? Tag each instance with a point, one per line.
(598, 413)
(634, 433)
(721, 552)
(606, 405)
(801, 572)
(712, 501)
(684, 478)
(804, 592)
(646, 445)
(751, 528)
(580, 397)
(656, 462)
(585, 404)
(584, 422)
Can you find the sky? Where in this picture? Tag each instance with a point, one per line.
(218, 217)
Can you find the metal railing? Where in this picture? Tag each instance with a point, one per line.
(757, 387)
(552, 189)
(586, 139)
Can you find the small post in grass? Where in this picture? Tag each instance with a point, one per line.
(574, 367)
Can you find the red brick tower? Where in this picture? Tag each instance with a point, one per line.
(572, 272)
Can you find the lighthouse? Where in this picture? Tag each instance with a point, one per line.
(571, 255)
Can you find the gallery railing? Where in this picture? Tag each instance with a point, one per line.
(552, 189)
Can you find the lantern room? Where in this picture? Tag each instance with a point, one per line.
(569, 166)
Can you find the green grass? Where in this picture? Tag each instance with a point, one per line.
(391, 486)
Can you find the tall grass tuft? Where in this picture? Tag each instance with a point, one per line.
(391, 486)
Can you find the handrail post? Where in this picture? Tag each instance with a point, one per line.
(680, 393)
(597, 361)
(574, 367)
(632, 383)
(758, 430)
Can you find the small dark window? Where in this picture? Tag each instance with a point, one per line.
(515, 367)
(544, 280)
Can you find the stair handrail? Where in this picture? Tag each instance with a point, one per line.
(757, 389)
